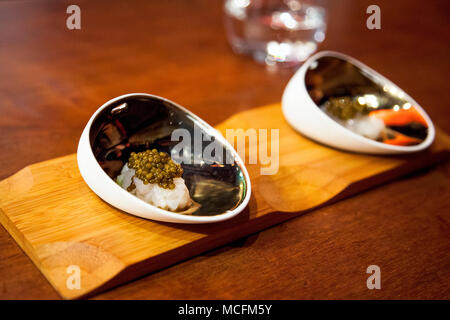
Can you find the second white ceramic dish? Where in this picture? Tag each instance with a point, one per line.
(304, 114)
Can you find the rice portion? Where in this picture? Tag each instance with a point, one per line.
(176, 199)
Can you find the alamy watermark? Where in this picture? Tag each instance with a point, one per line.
(374, 20)
(200, 148)
(73, 22)
(374, 281)
(73, 281)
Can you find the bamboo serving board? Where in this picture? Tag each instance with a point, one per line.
(58, 221)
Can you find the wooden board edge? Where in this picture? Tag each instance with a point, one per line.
(25, 246)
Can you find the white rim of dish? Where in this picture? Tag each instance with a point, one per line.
(404, 149)
(92, 172)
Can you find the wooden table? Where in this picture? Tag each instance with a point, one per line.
(52, 80)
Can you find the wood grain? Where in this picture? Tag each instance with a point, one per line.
(58, 221)
(52, 79)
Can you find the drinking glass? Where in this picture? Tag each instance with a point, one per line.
(275, 32)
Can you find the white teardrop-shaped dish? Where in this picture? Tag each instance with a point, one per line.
(303, 114)
(144, 106)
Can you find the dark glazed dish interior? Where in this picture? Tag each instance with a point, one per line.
(148, 122)
(333, 82)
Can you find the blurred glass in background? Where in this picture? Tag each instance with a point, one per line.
(275, 32)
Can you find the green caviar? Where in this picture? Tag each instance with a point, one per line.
(345, 108)
(152, 166)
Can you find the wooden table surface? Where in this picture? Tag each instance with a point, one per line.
(52, 79)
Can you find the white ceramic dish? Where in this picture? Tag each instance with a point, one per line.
(107, 189)
(304, 115)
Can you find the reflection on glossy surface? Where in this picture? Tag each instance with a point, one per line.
(363, 103)
(141, 123)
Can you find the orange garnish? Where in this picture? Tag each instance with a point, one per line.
(402, 140)
(400, 117)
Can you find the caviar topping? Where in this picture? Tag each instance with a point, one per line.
(346, 108)
(152, 166)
